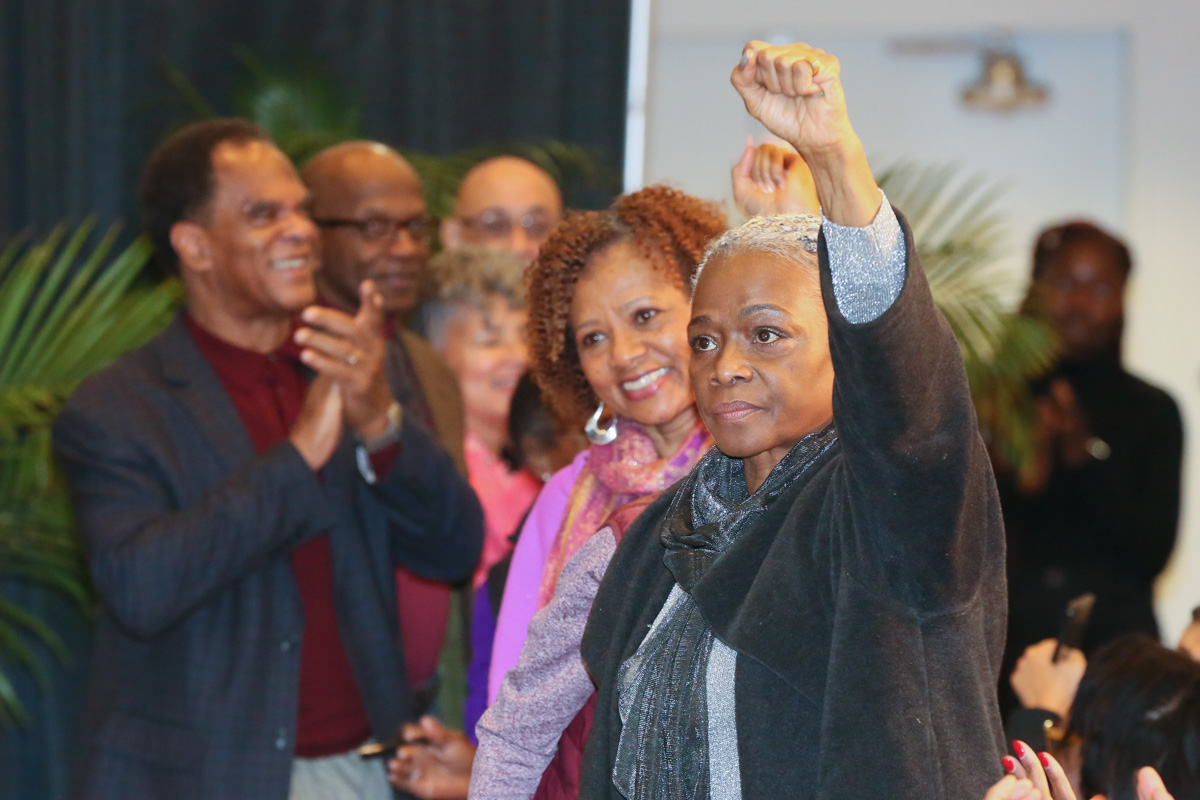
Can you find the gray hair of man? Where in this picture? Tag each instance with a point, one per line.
(789, 236)
(468, 277)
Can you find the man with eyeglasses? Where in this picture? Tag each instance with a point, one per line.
(369, 209)
(504, 202)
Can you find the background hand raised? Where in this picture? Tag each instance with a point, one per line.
(770, 179)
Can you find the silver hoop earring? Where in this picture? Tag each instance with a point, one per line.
(596, 434)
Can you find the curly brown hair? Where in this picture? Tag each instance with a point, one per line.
(668, 228)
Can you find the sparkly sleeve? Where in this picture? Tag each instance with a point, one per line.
(519, 734)
(866, 264)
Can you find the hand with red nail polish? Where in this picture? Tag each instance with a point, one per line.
(1043, 772)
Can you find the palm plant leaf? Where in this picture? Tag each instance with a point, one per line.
(67, 308)
(958, 232)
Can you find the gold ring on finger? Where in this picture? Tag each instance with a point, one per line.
(815, 64)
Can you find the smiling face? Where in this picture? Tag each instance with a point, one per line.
(259, 248)
(629, 320)
(761, 369)
(485, 347)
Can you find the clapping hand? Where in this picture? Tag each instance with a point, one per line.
(350, 351)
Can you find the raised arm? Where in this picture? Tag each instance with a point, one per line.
(919, 479)
(796, 91)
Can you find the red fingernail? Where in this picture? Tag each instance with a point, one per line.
(1009, 764)
(1045, 759)
(1018, 748)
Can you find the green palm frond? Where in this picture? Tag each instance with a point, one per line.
(68, 307)
(300, 105)
(958, 233)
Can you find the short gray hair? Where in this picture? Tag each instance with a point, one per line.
(790, 236)
(468, 276)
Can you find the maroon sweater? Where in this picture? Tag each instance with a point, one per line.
(268, 392)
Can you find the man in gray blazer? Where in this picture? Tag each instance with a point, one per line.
(245, 484)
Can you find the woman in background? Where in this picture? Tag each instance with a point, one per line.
(608, 342)
(474, 315)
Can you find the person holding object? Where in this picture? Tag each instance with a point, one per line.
(244, 485)
(816, 610)
(1045, 689)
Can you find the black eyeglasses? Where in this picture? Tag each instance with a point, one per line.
(384, 229)
(494, 224)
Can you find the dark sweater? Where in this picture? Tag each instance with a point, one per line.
(1107, 526)
(867, 605)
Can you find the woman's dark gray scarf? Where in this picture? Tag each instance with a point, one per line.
(662, 689)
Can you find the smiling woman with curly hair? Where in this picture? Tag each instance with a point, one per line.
(666, 229)
(608, 300)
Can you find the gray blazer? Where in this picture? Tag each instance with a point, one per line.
(189, 534)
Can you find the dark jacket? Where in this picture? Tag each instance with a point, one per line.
(189, 534)
(866, 605)
(1107, 526)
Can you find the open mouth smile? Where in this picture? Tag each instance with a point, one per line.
(642, 382)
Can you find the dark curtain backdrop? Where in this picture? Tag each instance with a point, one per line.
(83, 99)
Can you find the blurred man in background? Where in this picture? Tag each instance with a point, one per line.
(507, 203)
(368, 204)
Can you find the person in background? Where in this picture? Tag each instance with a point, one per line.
(1137, 704)
(474, 315)
(1098, 511)
(507, 203)
(367, 203)
(541, 442)
(244, 485)
(607, 308)
(1189, 642)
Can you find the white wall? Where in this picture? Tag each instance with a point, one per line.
(1064, 159)
(1117, 143)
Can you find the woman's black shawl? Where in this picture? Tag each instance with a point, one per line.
(867, 605)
